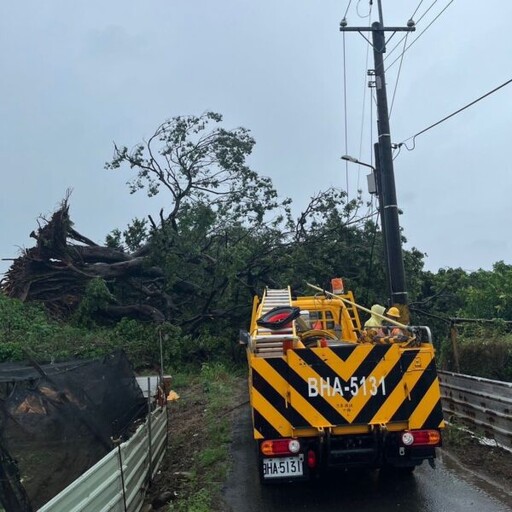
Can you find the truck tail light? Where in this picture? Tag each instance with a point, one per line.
(421, 438)
(280, 446)
(311, 459)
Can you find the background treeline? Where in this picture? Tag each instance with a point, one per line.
(185, 281)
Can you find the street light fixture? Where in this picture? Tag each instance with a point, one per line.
(371, 178)
(349, 158)
(374, 187)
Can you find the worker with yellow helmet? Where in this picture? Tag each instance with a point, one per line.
(389, 330)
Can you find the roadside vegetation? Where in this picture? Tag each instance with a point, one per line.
(476, 453)
(192, 477)
(177, 289)
(185, 280)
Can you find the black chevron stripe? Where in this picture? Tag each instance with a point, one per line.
(391, 380)
(264, 427)
(428, 376)
(344, 352)
(317, 402)
(319, 366)
(435, 418)
(278, 401)
(408, 357)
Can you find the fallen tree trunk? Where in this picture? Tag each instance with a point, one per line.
(63, 262)
(135, 266)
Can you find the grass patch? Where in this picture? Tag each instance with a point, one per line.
(456, 436)
(199, 501)
(200, 431)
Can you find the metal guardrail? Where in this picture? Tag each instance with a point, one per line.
(479, 403)
(117, 482)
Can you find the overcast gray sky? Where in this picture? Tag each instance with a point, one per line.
(76, 76)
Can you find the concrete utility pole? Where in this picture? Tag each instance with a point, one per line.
(378, 182)
(386, 178)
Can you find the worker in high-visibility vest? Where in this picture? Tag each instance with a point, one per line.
(390, 332)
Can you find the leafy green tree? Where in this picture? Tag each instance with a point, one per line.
(440, 297)
(222, 235)
(443, 292)
(133, 238)
(489, 293)
(329, 240)
(216, 208)
(456, 293)
(335, 237)
(199, 164)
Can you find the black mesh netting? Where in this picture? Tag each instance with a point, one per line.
(58, 420)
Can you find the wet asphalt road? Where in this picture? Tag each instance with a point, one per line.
(447, 488)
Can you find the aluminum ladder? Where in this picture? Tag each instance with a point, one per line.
(269, 342)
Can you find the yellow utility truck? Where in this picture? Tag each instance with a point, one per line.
(325, 393)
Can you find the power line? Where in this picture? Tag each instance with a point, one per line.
(414, 13)
(428, 9)
(365, 90)
(417, 22)
(399, 148)
(398, 76)
(348, 7)
(405, 48)
(413, 137)
(371, 126)
(366, 15)
(421, 33)
(345, 106)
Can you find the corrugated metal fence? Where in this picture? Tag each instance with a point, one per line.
(481, 404)
(117, 482)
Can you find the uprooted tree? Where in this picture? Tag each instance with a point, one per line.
(63, 264)
(182, 266)
(222, 234)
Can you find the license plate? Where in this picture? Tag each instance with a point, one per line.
(279, 467)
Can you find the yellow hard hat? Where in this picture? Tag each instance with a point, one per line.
(394, 312)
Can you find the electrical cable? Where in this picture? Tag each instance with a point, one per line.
(365, 88)
(361, 219)
(388, 40)
(414, 13)
(369, 11)
(397, 77)
(404, 39)
(413, 137)
(431, 315)
(390, 52)
(399, 149)
(371, 125)
(428, 9)
(373, 111)
(348, 7)
(421, 33)
(345, 107)
(370, 261)
(419, 21)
